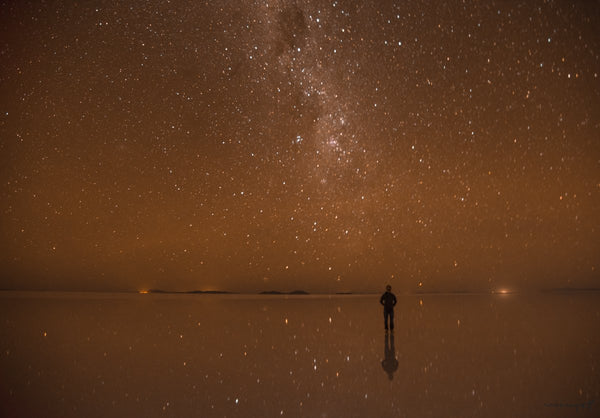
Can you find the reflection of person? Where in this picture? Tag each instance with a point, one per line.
(389, 362)
(388, 300)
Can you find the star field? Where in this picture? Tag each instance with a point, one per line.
(319, 145)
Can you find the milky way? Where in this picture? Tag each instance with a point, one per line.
(326, 146)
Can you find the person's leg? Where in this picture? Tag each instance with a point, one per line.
(392, 319)
(385, 319)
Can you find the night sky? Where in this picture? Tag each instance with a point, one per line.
(319, 145)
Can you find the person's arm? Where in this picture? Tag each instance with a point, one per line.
(394, 300)
(381, 299)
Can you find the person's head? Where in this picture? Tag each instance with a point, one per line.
(388, 288)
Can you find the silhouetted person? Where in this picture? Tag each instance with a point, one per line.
(388, 300)
(389, 362)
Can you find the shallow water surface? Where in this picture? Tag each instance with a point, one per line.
(129, 355)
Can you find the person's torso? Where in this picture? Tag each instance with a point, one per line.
(388, 300)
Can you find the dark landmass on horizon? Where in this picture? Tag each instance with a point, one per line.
(192, 292)
(417, 292)
(570, 289)
(276, 292)
(304, 292)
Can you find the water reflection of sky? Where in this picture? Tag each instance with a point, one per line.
(161, 355)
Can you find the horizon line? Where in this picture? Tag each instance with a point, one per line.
(300, 292)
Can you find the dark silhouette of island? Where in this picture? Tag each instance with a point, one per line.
(222, 292)
(416, 292)
(276, 292)
(441, 292)
(200, 292)
(571, 289)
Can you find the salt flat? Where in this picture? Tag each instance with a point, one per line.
(128, 355)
